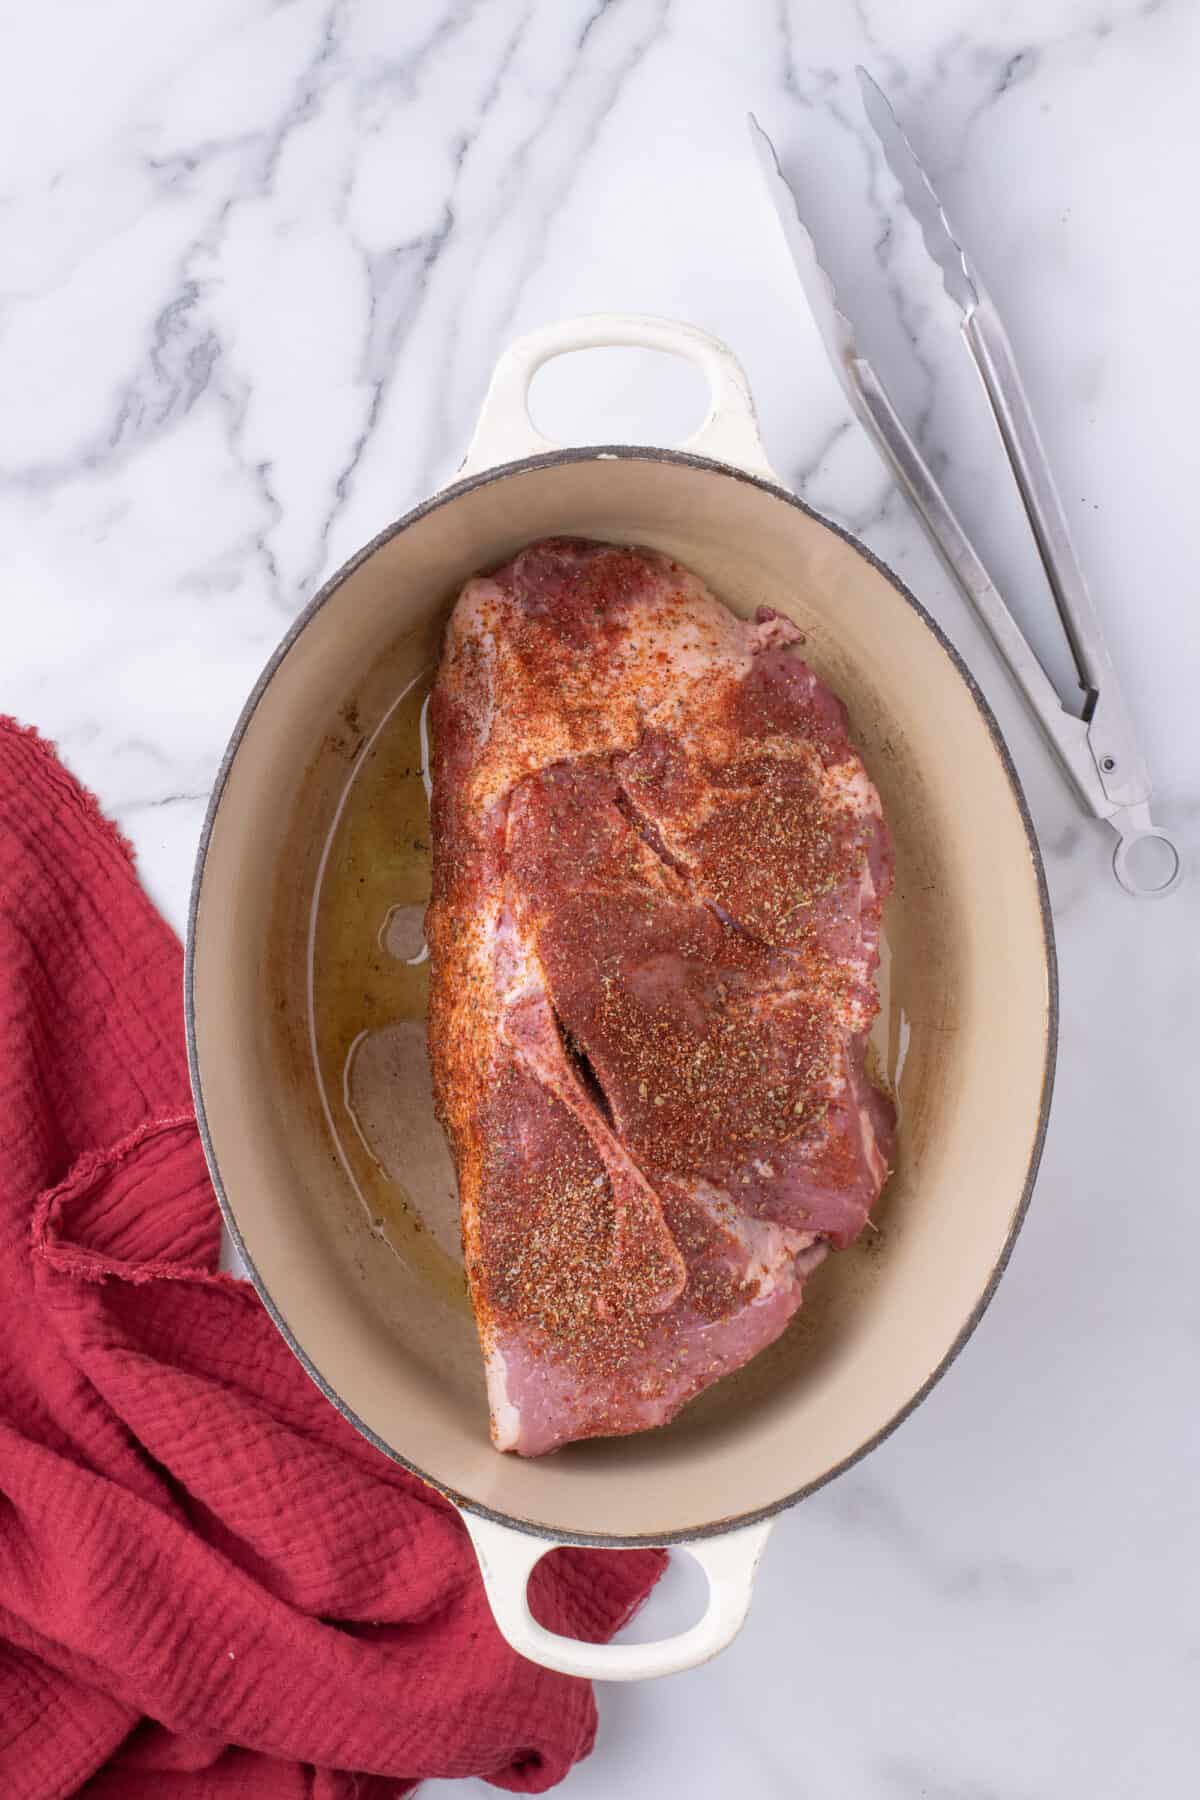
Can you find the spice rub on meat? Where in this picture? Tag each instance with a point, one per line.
(659, 866)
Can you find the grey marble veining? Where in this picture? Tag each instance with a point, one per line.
(258, 261)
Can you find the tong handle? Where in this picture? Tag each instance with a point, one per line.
(1066, 734)
(1111, 740)
(1070, 737)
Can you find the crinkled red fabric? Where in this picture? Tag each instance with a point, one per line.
(210, 1585)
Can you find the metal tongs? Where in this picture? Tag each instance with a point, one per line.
(1098, 749)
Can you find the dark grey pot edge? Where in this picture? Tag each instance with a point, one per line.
(625, 452)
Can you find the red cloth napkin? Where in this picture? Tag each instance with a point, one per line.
(210, 1585)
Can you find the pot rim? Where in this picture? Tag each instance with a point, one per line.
(444, 496)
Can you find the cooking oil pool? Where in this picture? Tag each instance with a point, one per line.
(368, 989)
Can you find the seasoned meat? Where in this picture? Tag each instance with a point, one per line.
(659, 866)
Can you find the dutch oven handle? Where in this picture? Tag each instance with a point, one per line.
(505, 432)
(507, 1559)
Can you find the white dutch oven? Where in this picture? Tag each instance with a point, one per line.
(971, 1009)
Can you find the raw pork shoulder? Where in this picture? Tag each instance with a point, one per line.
(658, 872)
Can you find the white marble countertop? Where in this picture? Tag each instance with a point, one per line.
(258, 261)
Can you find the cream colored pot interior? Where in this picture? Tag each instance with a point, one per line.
(967, 1019)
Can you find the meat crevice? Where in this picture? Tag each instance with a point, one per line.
(588, 1080)
(648, 832)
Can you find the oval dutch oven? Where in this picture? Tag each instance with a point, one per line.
(972, 962)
